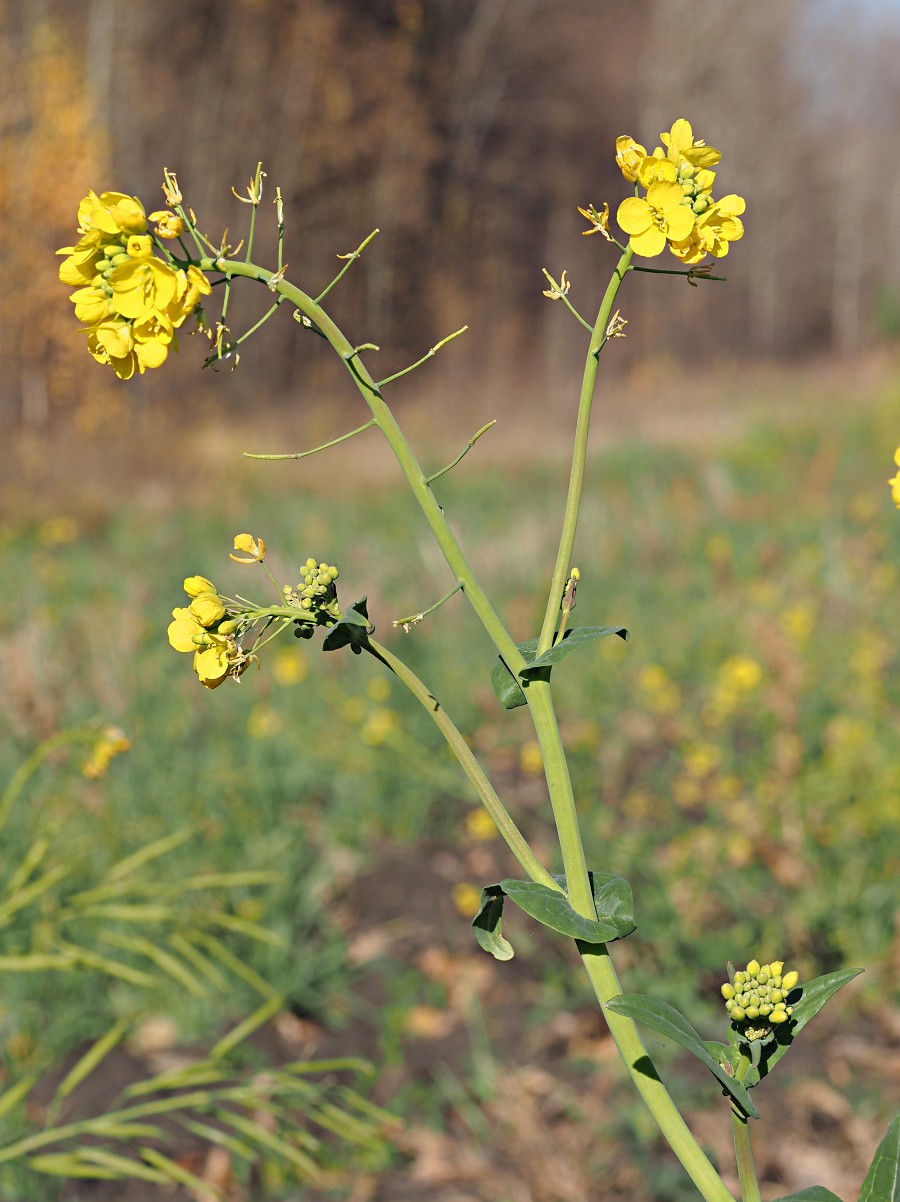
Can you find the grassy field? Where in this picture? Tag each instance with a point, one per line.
(738, 760)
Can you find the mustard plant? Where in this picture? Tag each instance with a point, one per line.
(140, 279)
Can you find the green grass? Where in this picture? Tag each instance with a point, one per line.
(751, 802)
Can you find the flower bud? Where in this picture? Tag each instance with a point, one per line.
(775, 967)
(207, 608)
(738, 1014)
(228, 627)
(752, 968)
(195, 585)
(727, 992)
(789, 980)
(778, 1016)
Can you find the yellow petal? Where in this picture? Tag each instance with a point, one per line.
(665, 196)
(182, 630)
(634, 215)
(679, 223)
(649, 243)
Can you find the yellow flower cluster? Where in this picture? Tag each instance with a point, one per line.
(204, 628)
(678, 209)
(129, 301)
(758, 994)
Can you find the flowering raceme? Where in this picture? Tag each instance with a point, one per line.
(129, 301)
(678, 210)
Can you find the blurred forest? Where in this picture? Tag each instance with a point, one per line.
(468, 131)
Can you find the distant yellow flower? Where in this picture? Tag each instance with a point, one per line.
(480, 825)
(895, 480)
(741, 673)
(629, 156)
(653, 221)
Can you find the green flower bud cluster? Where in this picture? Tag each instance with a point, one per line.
(699, 198)
(316, 592)
(758, 995)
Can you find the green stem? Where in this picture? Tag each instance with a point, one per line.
(579, 455)
(743, 1149)
(515, 840)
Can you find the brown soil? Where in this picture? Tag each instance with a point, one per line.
(553, 1115)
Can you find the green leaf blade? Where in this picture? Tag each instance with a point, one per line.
(572, 640)
(487, 925)
(882, 1182)
(667, 1021)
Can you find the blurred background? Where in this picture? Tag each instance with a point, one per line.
(738, 760)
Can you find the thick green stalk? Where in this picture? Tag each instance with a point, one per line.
(579, 456)
(606, 985)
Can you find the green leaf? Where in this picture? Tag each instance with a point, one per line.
(487, 925)
(352, 630)
(665, 1019)
(814, 1193)
(882, 1183)
(572, 640)
(553, 910)
(508, 690)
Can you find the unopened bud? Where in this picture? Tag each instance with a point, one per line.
(779, 1015)
(752, 968)
(789, 980)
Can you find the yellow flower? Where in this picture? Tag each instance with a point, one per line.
(653, 221)
(653, 170)
(715, 228)
(195, 285)
(629, 156)
(255, 549)
(141, 285)
(111, 213)
(895, 480)
(681, 146)
(212, 663)
(183, 630)
(139, 246)
(81, 265)
(92, 305)
(168, 225)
